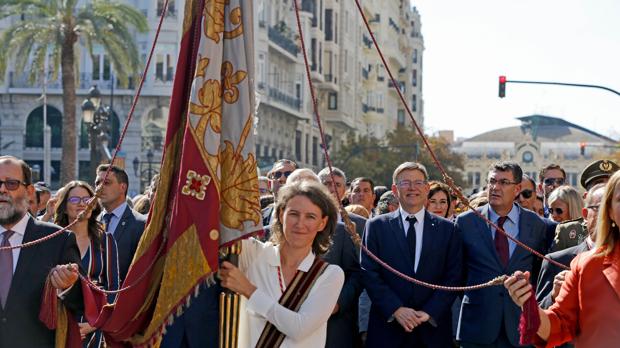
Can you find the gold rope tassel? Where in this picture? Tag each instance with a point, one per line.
(229, 305)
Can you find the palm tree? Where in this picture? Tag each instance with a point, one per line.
(55, 27)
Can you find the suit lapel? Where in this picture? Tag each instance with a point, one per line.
(122, 224)
(525, 236)
(428, 238)
(26, 255)
(398, 232)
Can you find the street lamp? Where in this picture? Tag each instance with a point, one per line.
(145, 175)
(95, 116)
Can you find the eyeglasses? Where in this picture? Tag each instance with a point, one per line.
(409, 183)
(12, 184)
(527, 194)
(77, 200)
(593, 207)
(557, 211)
(554, 181)
(502, 182)
(278, 175)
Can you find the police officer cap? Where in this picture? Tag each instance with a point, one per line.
(597, 170)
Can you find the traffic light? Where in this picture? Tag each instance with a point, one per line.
(502, 86)
(582, 149)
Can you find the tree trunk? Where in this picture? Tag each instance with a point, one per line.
(69, 136)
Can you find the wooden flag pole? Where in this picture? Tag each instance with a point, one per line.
(229, 304)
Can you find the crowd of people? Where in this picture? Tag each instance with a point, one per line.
(305, 283)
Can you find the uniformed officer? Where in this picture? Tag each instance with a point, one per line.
(597, 172)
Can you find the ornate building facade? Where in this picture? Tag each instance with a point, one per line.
(539, 140)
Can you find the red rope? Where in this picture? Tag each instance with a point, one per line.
(447, 178)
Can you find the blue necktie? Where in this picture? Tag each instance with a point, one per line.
(106, 220)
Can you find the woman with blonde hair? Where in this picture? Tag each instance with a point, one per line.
(587, 309)
(565, 203)
(290, 291)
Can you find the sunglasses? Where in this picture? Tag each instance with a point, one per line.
(278, 175)
(556, 181)
(527, 194)
(12, 184)
(77, 200)
(557, 211)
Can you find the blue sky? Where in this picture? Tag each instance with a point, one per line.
(470, 43)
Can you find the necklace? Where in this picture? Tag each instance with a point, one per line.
(280, 279)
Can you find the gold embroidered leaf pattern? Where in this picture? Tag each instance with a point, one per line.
(201, 69)
(215, 20)
(239, 196)
(210, 107)
(230, 79)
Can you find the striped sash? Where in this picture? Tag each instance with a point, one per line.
(292, 298)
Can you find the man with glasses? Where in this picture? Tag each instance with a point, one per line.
(551, 177)
(420, 245)
(23, 271)
(278, 174)
(488, 317)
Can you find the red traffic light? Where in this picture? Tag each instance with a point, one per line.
(502, 86)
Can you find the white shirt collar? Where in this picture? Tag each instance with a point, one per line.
(304, 266)
(419, 216)
(119, 211)
(20, 227)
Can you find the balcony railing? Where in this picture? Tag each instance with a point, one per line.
(366, 108)
(283, 41)
(365, 73)
(288, 100)
(401, 85)
(86, 80)
(330, 78)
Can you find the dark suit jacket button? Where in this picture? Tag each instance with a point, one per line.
(3, 320)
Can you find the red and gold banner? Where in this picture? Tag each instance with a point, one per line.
(208, 191)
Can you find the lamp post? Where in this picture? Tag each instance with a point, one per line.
(95, 116)
(145, 175)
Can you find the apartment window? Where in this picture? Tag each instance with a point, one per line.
(96, 67)
(262, 74)
(336, 28)
(257, 150)
(313, 54)
(414, 77)
(414, 103)
(320, 57)
(346, 60)
(400, 117)
(329, 33)
(159, 67)
(315, 151)
(332, 101)
(307, 148)
(320, 17)
(415, 55)
(298, 146)
(169, 68)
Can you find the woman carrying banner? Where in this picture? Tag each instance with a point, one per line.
(97, 248)
(587, 309)
(290, 291)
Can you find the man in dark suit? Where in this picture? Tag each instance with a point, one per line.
(23, 271)
(420, 245)
(488, 317)
(119, 219)
(280, 171)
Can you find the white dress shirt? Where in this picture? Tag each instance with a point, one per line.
(419, 229)
(18, 237)
(305, 328)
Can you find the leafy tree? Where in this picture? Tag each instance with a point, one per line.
(55, 27)
(377, 159)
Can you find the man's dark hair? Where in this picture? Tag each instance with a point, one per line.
(509, 166)
(363, 179)
(379, 191)
(541, 175)
(119, 173)
(26, 172)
